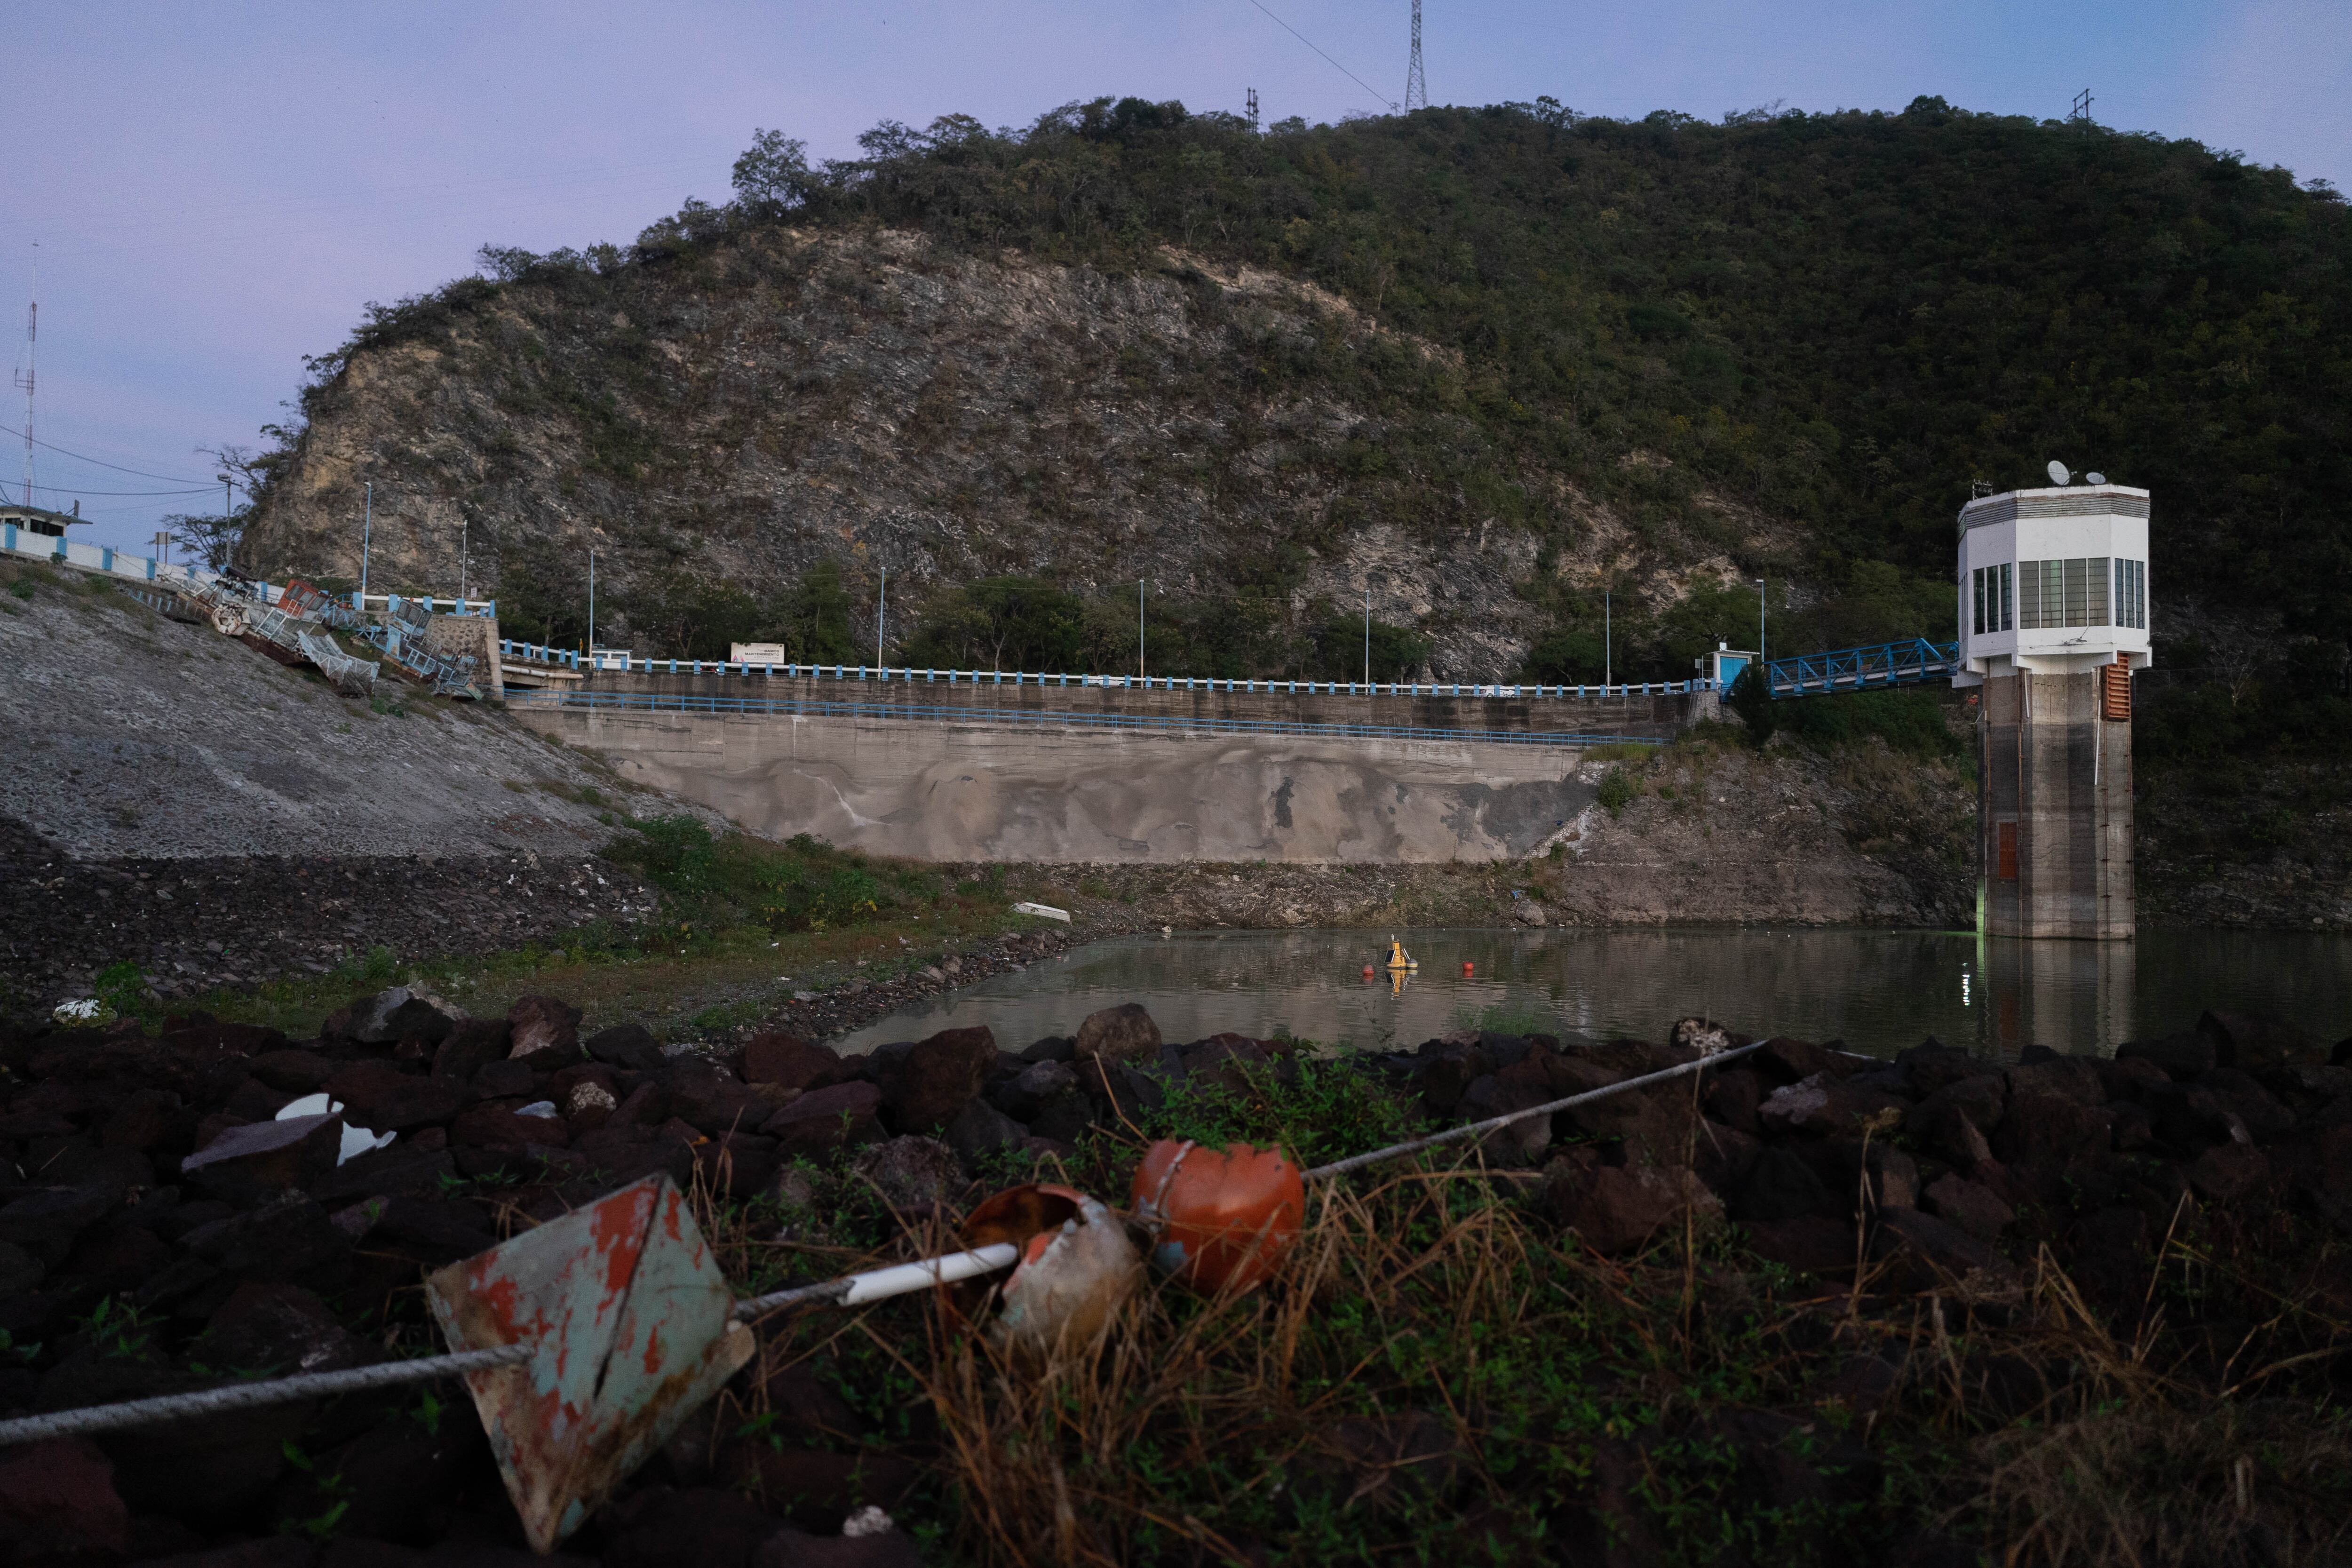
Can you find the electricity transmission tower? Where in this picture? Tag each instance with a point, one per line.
(1416, 91)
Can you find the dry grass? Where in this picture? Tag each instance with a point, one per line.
(1440, 1375)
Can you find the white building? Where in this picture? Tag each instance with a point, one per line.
(2053, 582)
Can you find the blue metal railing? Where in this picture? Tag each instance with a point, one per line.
(1863, 668)
(690, 702)
(621, 659)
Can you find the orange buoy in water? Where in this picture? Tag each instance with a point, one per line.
(1368, 972)
(1465, 966)
(1219, 1218)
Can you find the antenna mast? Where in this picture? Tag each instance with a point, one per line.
(1416, 91)
(25, 376)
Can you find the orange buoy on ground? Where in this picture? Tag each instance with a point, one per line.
(1220, 1217)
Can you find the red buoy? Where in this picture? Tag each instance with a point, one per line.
(1465, 966)
(1368, 972)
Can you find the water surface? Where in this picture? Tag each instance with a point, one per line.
(1878, 990)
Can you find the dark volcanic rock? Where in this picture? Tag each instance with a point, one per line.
(844, 1115)
(1619, 1208)
(537, 1024)
(57, 1504)
(630, 1046)
(1124, 1033)
(244, 1163)
(791, 1062)
(928, 1082)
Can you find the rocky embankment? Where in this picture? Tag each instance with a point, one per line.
(162, 1229)
(193, 924)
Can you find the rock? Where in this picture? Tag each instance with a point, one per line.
(979, 1130)
(1732, 1096)
(45, 1224)
(268, 1552)
(2182, 1056)
(1893, 1179)
(1703, 1036)
(793, 1062)
(1931, 1065)
(1617, 1208)
(1786, 1060)
(1123, 1033)
(537, 1024)
(57, 1504)
(1864, 1382)
(628, 1046)
(431, 1230)
(287, 1237)
(395, 1480)
(1724, 1157)
(630, 1153)
(2259, 1045)
(816, 1491)
(712, 1100)
(1496, 1094)
(278, 1328)
(407, 1104)
(879, 1548)
(1781, 1186)
(2228, 1171)
(737, 1164)
(843, 1115)
(384, 1172)
(803, 1404)
(1953, 1122)
(148, 1119)
(930, 1082)
(697, 1528)
(293, 1072)
(468, 1048)
(586, 1097)
(1957, 1201)
(1923, 1253)
(914, 1175)
(244, 1163)
(1064, 1119)
(117, 1259)
(1810, 1244)
(2063, 1077)
(496, 1127)
(1052, 1048)
(2046, 1131)
(1825, 1103)
(404, 1013)
(20, 1271)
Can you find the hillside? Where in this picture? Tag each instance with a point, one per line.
(1486, 362)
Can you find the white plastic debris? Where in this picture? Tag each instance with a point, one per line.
(542, 1109)
(868, 1521)
(1044, 911)
(356, 1140)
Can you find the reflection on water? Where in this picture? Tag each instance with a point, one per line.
(1878, 990)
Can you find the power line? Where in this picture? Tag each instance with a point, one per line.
(136, 473)
(70, 490)
(1385, 102)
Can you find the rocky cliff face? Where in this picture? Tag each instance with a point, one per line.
(738, 414)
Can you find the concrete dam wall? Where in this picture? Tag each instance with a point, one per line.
(948, 789)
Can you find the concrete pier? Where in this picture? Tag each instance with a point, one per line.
(2054, 805)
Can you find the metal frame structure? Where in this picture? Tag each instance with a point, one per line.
(1906, 663)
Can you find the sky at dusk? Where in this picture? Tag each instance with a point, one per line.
(216, 191)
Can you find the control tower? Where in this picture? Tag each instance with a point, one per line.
(2053, 619)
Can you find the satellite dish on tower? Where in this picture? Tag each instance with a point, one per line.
(2059, 474)
(2095, 478)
